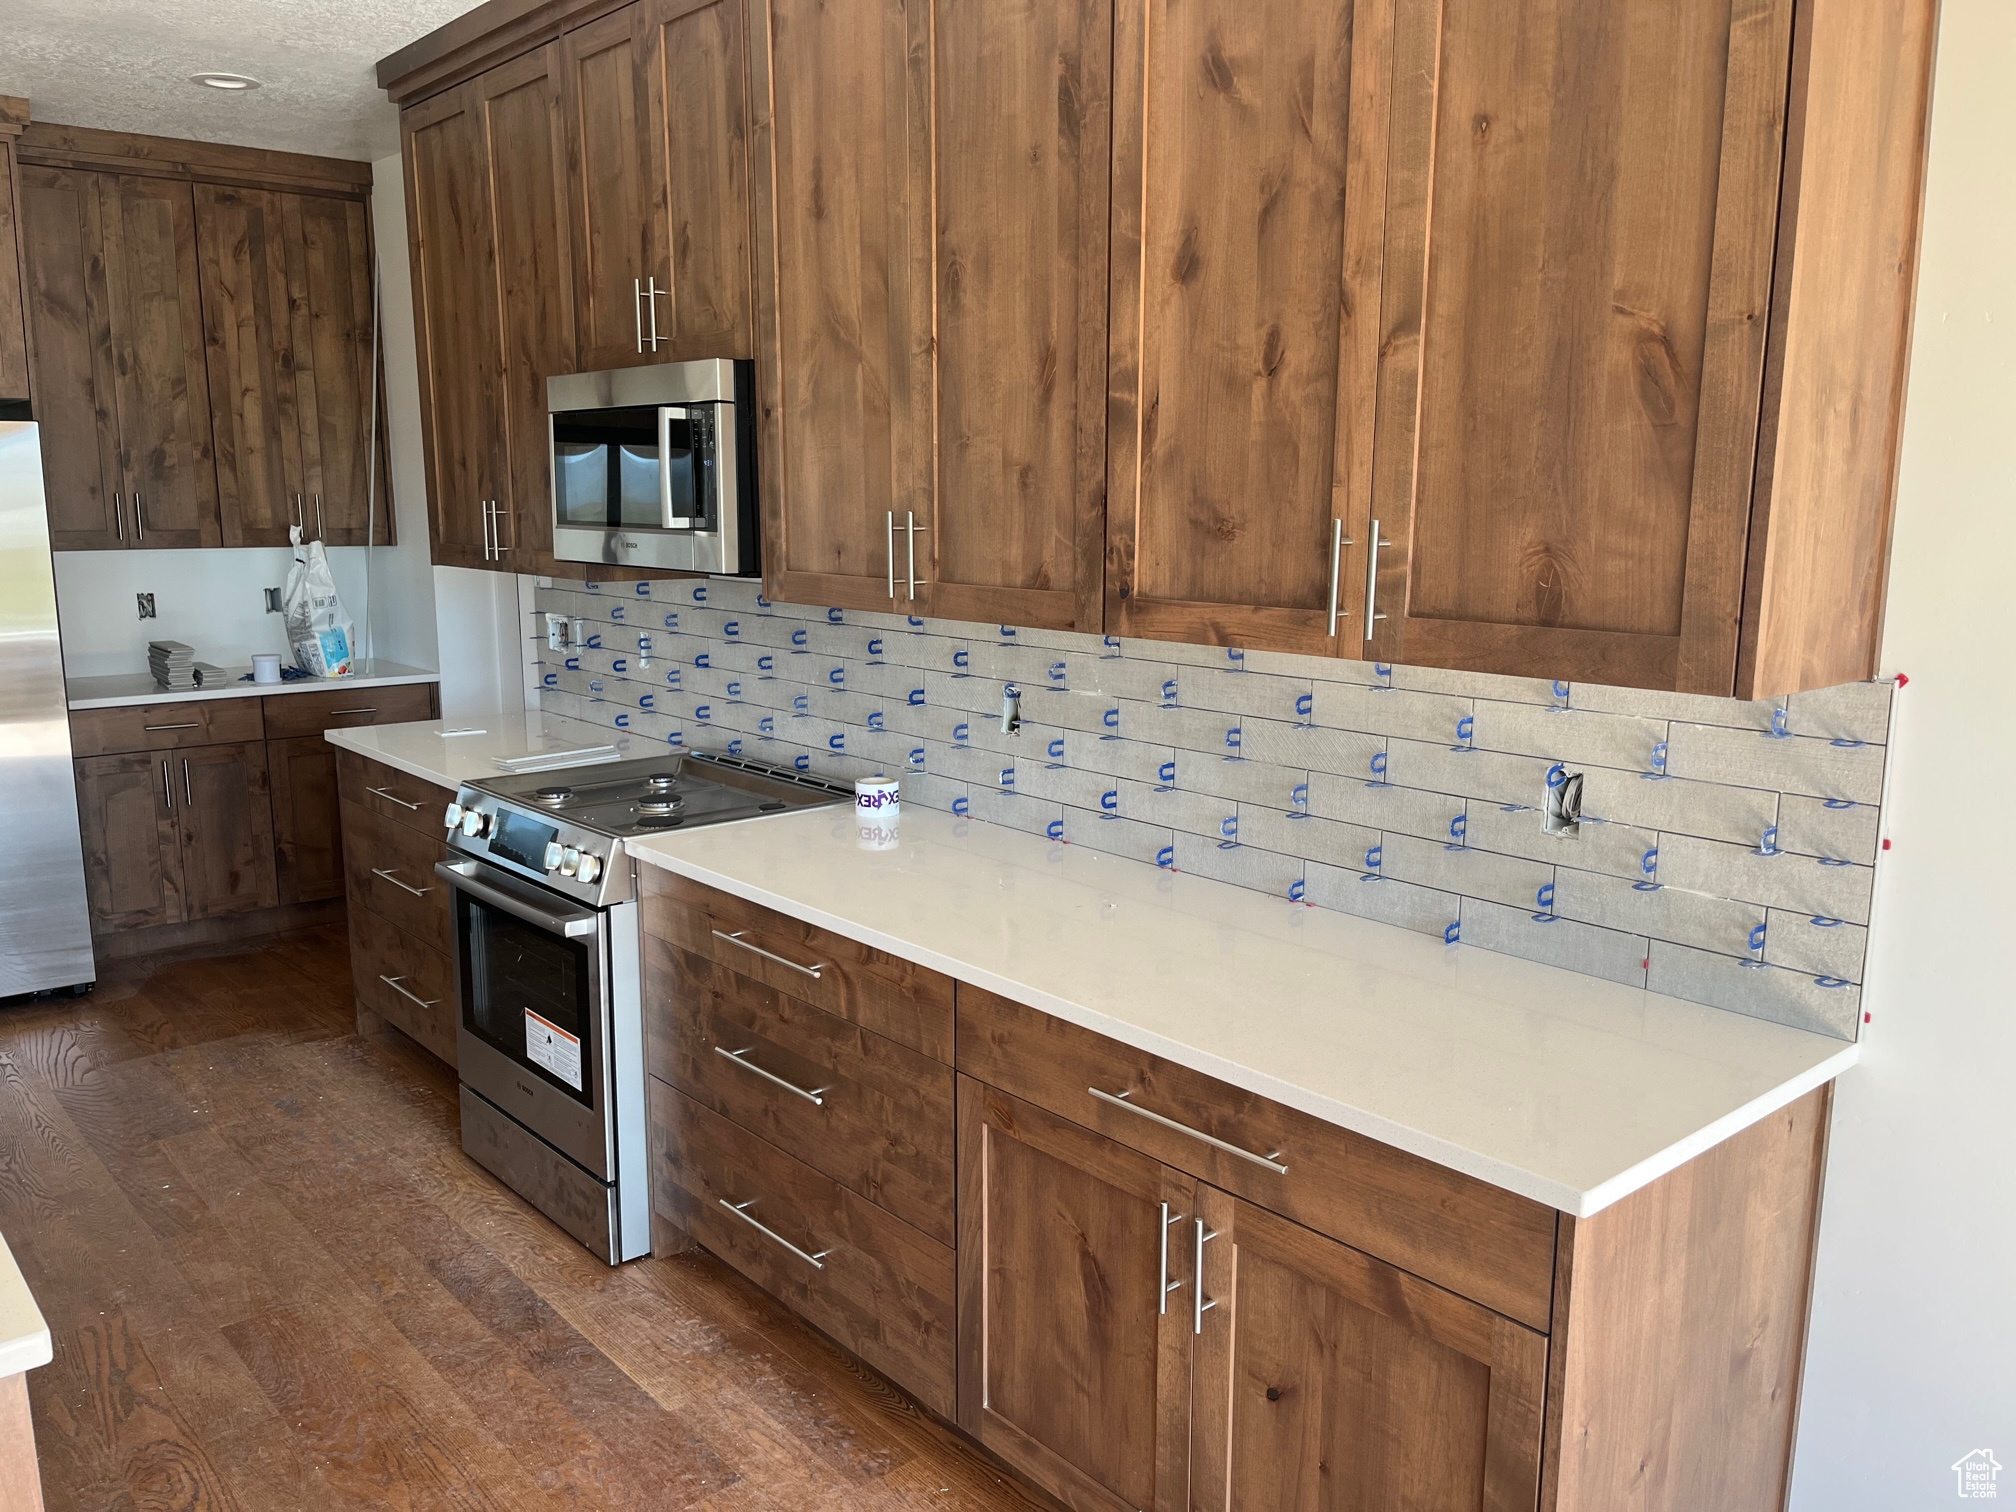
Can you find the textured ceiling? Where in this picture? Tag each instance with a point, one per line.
(125, 65)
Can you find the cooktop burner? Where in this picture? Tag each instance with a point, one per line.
(661, 782)
(656, 807)
(650, 794)
(553, 797)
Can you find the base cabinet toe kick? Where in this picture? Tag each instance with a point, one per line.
(1138, 1287)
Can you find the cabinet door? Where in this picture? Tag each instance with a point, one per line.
(843, 189)
(13, 312)
(619, 215)
(132, 848)
(525, 140)
(307, 819)
(1074, 1316)
(1575, 282)
(68, 304)
(223, 801)
(329, 279)
(160, 379)
(1246, 165)
(1022, 137)
(242, 261)
(1327, 1381)
(455, 310)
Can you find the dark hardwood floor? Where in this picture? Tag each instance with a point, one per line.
(274, 1281)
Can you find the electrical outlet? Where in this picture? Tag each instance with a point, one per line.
(273, 601)
(146, 605)
(1564, 802)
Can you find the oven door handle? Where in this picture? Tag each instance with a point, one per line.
(570, 924)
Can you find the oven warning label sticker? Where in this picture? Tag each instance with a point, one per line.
(553, 1049)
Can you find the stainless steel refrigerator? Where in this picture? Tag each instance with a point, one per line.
(45, 924)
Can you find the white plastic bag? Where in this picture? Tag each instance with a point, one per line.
(318, 628)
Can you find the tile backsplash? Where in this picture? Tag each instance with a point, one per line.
(1725, 856)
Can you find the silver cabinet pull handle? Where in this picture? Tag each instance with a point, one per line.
(890, 543)
(301, 513)
(652, 294)
(167, 788)
(488, 555)
(736, 939)
(1338, 541)
(338, 713)
(497, 527)
(911, 529)
(816, 1097)
(139, 518)
(1372, 579)
(188, 798)
(393, 983)
(192, 725)
(386, 873)
(320, 531)
(1119, 1100)
(1199, 1306)
(390, 798)
(118, 517)
(740, 1210)
(637, 308)
(1164, 1284)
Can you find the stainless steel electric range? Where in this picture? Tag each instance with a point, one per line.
(547, 978)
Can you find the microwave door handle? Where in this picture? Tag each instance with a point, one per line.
(571, 924)
(668, 517)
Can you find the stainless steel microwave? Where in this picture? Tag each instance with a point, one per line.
(656, 467)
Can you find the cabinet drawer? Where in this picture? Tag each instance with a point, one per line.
(1484, 1243)
(908, 1003)
(404, 982)
(389, 869)
(392, 794)
(165, 726)
(868, 1112)
(875, 1284)
(343, 708)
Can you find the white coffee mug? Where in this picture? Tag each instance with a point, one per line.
(877, 809)
(265, 668)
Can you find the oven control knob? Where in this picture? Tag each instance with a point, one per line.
(475, 824)
(453, 818)
(589, 869)
(553, 855)
(570, 861)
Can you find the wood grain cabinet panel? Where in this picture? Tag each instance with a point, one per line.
(1326, 1379)
(224, 806)
(13, 310)
(842, 190)
(1248, 148)
(392, 794)
(307, 819)
(289, 714)
(389, 870)
(329, 284)
(166, 726)
(132, 844)
(1075, 1337)
(404, 982)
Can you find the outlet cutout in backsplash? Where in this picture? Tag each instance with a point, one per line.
(1725, 851)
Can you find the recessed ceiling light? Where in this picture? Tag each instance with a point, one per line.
(230, 81)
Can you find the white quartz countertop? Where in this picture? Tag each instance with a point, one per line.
(1563, 1088)
(448, 752)
(24, 1337)
(128, 688)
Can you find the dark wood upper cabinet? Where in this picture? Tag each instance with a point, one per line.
(1247, 149)
(224, 806)
(13, 311)
(1074, 1305)
(843, 189)
(1327, 1378)
(329, 284)
(456, 316)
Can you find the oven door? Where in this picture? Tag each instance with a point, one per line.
(532, 983)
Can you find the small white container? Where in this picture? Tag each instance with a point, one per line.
(878, 807)
(265, 668)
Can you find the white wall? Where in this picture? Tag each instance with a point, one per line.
(1912, 1361)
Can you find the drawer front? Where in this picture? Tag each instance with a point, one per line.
(875, 1284)
(289, 714)
(895, 998)
(406, 983)
(392, 794)
(389, 869)
(870, 1113)
(165, 727)
(1475, 1239)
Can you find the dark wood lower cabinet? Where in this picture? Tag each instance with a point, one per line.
(225, 803)
(1075, 1311)
(1327, 1379)
(132, 844)
(307, 818)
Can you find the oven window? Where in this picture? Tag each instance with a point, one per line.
(530, 996)
(607, 467)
